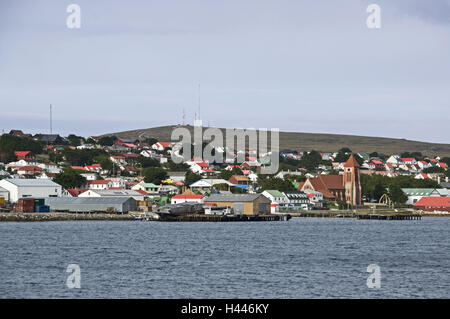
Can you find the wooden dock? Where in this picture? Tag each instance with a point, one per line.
(358, 215)
(223, 218)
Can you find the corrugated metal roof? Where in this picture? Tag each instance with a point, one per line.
(86, 200)
(32, 182)
(417, 191)
(114, 192)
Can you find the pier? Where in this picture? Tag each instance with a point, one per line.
(223, 218)
(358, 215)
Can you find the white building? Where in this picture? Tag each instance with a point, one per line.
(116, 182)
(277, 198)
(19, 188)
(184, 198)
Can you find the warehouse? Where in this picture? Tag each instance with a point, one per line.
(111, 193)
(92, 204)
(21, 188)
(247, 204)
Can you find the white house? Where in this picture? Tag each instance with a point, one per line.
(277, 198)
(198, 167)
(149, 153)
(89, 176)
(160, 146)
(395, 160)
(415, 194)
(184, 198)
(19, 188)
(99, 184)
(146, 187)
(116, 182)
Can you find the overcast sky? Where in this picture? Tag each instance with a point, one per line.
(306, 66)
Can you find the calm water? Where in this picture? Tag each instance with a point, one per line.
(302, 258)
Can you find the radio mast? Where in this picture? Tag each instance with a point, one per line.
(51, 128)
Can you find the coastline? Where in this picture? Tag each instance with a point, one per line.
(42, 217)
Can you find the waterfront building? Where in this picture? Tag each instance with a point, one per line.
(247, 204)
(20, 188)
(92, 204)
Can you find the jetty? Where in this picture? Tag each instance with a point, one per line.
(403, 215)
(223, 218)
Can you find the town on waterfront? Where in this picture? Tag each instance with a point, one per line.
(147, 179)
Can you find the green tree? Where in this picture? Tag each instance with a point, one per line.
(147, 162)
(10, 143)
(69, 178)
(396, 194)
(104, 161)
(181, 167)
(154, 175)
(191, 177)
(82, 157)
(107, 140)
(267, 182)
(75, 140)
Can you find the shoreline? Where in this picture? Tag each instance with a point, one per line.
(42, 217)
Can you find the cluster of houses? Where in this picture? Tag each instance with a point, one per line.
(29, 177)
(392, 166)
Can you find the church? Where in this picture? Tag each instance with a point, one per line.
(340, 188)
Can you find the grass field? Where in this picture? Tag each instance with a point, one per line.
(320, 142)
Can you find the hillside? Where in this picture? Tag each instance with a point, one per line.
(321, 142)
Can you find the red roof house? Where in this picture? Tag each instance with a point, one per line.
(24, 155)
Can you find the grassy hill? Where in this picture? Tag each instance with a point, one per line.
(321, 142)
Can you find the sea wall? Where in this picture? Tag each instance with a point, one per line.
(41, 217)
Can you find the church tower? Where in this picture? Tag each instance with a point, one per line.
(352, 183)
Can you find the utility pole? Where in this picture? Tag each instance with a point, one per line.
(51, 128)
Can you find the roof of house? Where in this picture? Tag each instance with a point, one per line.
(22, 153)
(148, 185)
(29, 182)
(187, 196)
(274, 192)
(76, 191)
(433, 202)
(210, 182)
(98, 182)
(234, 198)
(86, 200)
(417, 191)
(113, 192)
